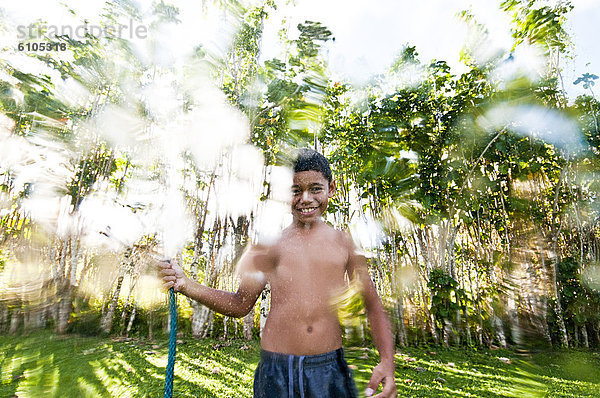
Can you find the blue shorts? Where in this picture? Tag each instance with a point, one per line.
(305, 376)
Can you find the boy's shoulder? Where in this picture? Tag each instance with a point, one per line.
(342, 237)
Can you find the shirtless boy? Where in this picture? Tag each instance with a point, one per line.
(301, 342)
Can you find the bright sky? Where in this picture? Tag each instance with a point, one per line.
(367, 38)
(368, 34)
(583, 28)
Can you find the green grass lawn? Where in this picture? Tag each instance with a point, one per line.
(45, 365)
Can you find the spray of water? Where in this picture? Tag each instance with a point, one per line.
(538, 122)
(187, 128)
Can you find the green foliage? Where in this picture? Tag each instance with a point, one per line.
(311, 33)
(538, 23)
(85, 319)
(219, 327)
(98, 164)
(2, 260)
(580, 303)
(350, 310)
(588, 80)
(445, 296)
(291, 110)
(587, 109)
(38, 104)
(241, 66)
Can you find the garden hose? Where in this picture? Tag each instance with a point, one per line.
(172, 345)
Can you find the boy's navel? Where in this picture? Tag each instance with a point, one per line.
(309, 329)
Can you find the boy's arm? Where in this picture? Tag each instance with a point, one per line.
(381, 330)
(238, 304)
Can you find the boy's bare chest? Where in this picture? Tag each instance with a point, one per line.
(311, 262)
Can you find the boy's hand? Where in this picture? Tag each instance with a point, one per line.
(172, 276)
(382, 374)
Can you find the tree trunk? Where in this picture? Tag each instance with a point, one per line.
(68, 287)
(560, 321)
(241, 228)
(544, 321)
(150, 324)
(3, 319)
(27, 319)
(209, 324)
(248, 324)
(60, 271)
(515, 326)
(397, 292)
(433, 330)
(467, 327)
(51, 310)
(474, 287)
(14, 322)
(199, 312)
(131, 319)
(107, 320)
(499, 331)
(450, 250)
(201, 315)
(65, 305)
(446, 330)
(41, 308)
(400, 329)
(265, 298)
(584, 336)
(564, 338)
(128, 305)
(60, 285)
(199, 318)
(562, 329)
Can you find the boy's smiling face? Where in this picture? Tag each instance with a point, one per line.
(310, 194)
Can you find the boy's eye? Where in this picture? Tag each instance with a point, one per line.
(316, 190)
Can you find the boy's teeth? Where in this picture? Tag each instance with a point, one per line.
(307, 210)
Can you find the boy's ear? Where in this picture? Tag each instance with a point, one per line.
(331, 189)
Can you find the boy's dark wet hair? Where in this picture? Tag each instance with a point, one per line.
(311, 160)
